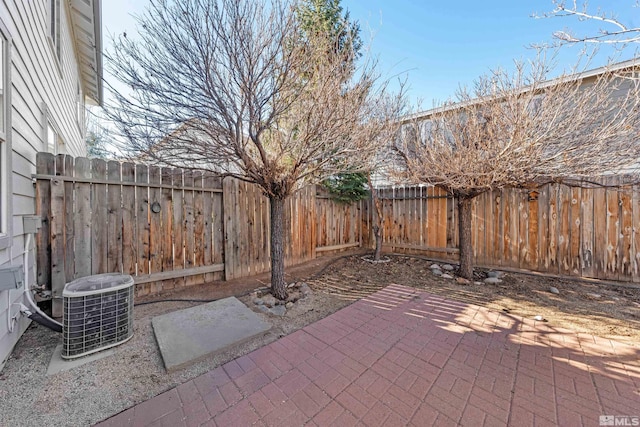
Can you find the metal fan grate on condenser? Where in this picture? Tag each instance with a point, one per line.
(98, 314)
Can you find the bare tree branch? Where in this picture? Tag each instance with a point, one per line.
(615, 32)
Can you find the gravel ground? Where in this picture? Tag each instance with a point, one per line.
(97, 390)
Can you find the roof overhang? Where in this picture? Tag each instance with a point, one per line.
(86, 18)
(618, 68)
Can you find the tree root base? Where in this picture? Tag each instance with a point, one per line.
(369, 258)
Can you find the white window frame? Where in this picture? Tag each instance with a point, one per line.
(55, 33)
(57, 145)
(6, 187)
(51, 129)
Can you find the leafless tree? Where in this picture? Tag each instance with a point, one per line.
(519, 129)
(614, 31)
(387, 113)
(236, 87)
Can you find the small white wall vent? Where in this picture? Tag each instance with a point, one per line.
(98, 314)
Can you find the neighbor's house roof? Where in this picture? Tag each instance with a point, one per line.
(618, 67)
(86, 19)
(383, 177)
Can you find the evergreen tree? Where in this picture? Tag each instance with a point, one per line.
(326, 18)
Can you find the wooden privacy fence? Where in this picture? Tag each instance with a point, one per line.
(171, 227)
(168, 227)
(590, 230)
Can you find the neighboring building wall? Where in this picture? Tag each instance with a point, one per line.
(46, 110)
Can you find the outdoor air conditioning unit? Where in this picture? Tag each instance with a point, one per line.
(97, 314)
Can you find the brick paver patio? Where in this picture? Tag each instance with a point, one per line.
(405, 357)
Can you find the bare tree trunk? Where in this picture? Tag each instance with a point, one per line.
(377, 233)
(464, 228)
(377, 219)
(278, 283)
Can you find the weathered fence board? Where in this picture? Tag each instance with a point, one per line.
(82, 223)
(69, 235)
(43, 209)
(178, 221)
(189, 223)
(635, 247)
(200, 243)
(586, 236)
(114, 211)
(155, 222)
(564, 215)
(100, 243)
(129, 233)
(613, 211)
(543, 228)
(57, 239)
(142, 219)
(167, 225)
(626, 230)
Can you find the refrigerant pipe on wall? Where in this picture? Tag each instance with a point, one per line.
(33, 312)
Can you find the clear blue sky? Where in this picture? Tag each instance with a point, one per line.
(439, 45)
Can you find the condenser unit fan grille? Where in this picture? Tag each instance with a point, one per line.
(98, 314)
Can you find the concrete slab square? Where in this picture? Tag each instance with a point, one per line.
(188, 335)
(58, 364)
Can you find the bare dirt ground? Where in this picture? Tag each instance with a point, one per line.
(92, 392)
(603, 309)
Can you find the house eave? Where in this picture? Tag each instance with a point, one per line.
(86, 18)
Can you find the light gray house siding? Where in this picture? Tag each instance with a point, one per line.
(45, 92)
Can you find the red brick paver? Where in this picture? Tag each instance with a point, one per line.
(404, 357)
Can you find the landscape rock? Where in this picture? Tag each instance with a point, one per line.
(269, 300)
(293, 296)
(496, 274)
(288, 305)
(436, 271)
(447, 276)
(436, 266)
(477, 283)
(447, 267)
(278, 310)
(594, 296)
(463, 281)
(305, 290)
(553, 290)
(492, 280)
(258, 301)
(539, 318)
